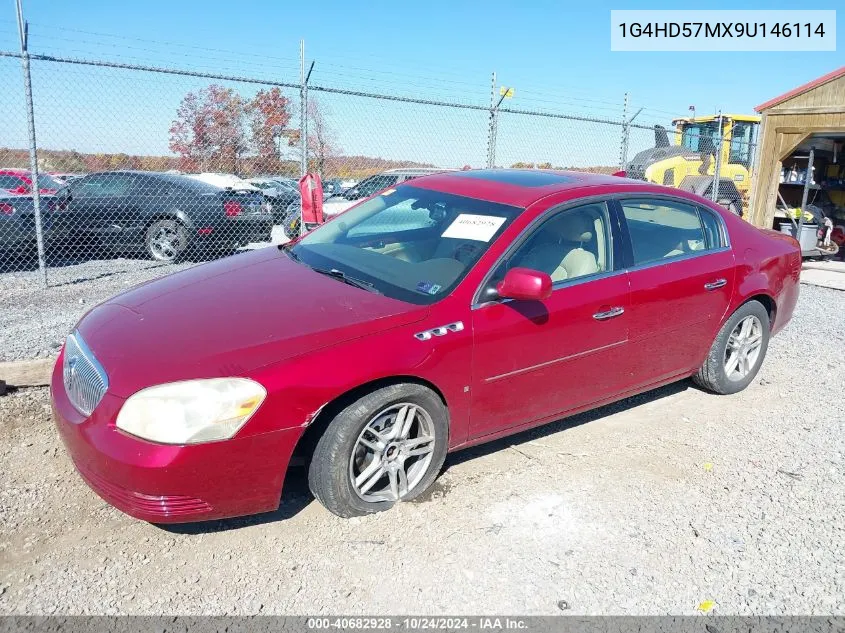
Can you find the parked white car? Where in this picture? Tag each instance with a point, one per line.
(334, 205)
(224, 181)
(272, 187)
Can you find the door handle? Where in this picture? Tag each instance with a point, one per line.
(609, 314)
(715, 284)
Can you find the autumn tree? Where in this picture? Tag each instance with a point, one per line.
(268, 114)
(208, 132)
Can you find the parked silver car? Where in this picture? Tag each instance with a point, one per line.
(367, 187)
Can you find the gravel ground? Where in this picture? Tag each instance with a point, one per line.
(650, 506)
(36, 321)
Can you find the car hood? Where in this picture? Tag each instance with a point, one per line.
(229, 318)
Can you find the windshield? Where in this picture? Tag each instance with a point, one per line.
(411, 244)
(700, 137)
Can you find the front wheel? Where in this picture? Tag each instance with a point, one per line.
(166, 240)
(738, 351)
(387, 446)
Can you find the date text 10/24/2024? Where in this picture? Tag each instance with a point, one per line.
(418, 623)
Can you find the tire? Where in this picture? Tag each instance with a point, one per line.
(340, 456)
(166, 240)
(714, 375)
(291, 222)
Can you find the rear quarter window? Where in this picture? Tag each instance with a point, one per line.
(713, 232)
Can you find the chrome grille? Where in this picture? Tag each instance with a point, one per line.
(85, 379)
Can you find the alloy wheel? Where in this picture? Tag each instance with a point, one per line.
(166, 242)
(392, 453)
(743, 348)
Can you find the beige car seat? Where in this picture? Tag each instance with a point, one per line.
(566, 258)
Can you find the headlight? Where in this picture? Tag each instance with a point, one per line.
(192, 411)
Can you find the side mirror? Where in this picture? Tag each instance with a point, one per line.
(525, 284)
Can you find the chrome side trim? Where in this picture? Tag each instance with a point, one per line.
(442, 330)
(524, 370)
(517, 241)
(679, 258)
(571, 204)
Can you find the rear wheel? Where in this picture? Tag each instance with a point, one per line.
(166, 240)
(738, 351)
(387, 446)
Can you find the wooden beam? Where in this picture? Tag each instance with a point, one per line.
(27, 373)
(808, 129)
(808, 110)
(788, 145)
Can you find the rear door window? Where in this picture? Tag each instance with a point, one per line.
(662, 230)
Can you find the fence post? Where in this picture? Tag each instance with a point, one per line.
(303, 112)
(491, 132)
(623, 148)
(717, 167)
(303, 128)
(33, 152)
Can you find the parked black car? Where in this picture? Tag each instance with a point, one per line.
(332, 187)
(163, 215)
(17, 224)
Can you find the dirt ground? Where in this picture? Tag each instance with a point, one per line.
(653, 505)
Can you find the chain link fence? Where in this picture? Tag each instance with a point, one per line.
(157, 168)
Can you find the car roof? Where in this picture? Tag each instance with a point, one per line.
(515, 187)
(160, 175)
(414, 171)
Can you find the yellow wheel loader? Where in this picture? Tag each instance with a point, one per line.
(690, 161)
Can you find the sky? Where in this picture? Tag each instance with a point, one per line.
(556, 56)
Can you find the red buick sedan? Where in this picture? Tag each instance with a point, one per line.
(442, 313)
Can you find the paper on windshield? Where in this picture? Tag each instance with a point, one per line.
(468, 226)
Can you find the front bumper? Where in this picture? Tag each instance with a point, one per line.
(172, 484)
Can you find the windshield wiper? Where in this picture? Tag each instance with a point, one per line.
(342, 276)
(288, 250)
